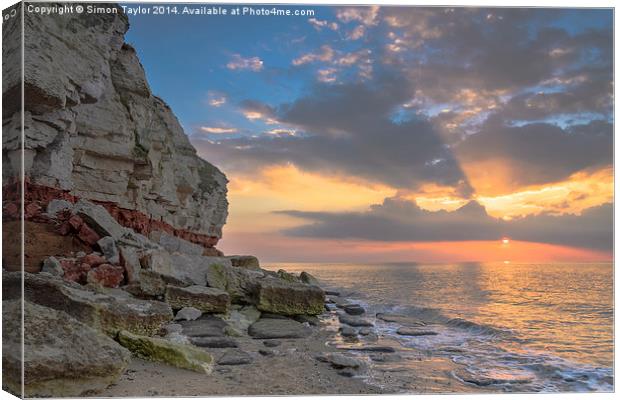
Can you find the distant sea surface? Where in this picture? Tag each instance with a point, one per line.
(515, 327)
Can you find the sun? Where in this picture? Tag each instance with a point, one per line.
(505, 241)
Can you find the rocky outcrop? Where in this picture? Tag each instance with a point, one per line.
(109, 311)
(62, 356)
(93, 130)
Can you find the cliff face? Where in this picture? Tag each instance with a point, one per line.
(94, 130)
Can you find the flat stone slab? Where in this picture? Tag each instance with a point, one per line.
(235, 357)
(214, 342)
(205, 299)
(266, 328)
(405, 331)
(354, 321)
(208, 326)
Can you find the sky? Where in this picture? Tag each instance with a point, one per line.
(368, 134)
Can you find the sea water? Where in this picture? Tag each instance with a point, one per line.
(508, 327)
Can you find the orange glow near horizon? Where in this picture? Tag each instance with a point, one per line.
(279, 248)
(252, 226)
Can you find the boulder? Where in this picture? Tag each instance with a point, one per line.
(289, 298)
(62, 356)
(109, 250)
(348, 331)
(56, 206)
(181, 268)
(187, 314)
(51, 265)
(93, 259)
(152, 283)
(305, 277)
(287, 276)
(74, 270)
(206, 299)
(109, 312)
(174, 244)
(106, 275)
(130, 258)
(241, 317)
(205, 326)
(249, 262)
(267, 328)
(99, 219)
(354, 309)
(240, 283)
(164, 351)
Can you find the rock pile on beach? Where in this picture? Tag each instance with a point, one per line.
(165, 306)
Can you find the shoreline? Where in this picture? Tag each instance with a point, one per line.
(301, 367)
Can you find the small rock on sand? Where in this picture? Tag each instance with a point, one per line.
(272, 343)
(354, 309)
(348, 331)
(354, 321)
(235, 357)
(340, 361)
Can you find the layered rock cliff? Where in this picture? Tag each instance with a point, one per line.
(94, 130)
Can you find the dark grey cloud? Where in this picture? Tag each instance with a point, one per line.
(401, 220)
(348, 130)
(541, 152)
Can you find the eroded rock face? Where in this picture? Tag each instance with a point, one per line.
(93, 130)
(62, 356)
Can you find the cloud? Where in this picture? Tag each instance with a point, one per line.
(357, 33)
(217, 130)
(327, 75)
(540, 152)
(401, 220)
(256, 110)
(239, 63)
(216, 99)
(365, 15)
(319, 24)
(326, 54)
